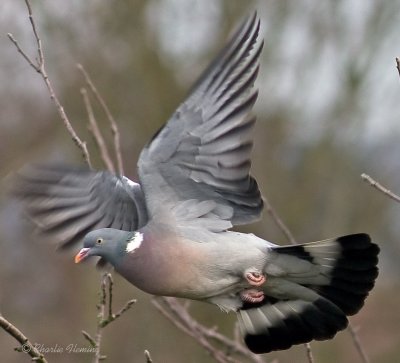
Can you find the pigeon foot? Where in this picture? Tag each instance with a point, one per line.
(252, 296)
(255, 278)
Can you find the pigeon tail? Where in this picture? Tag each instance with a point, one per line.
(311, 289)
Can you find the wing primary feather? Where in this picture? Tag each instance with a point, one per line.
(236, 65)
(243, 107)
(236, 94)
(239, 52)
(229, 51)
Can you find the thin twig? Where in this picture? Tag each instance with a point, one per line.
(89, 338)
(236, 332)
(234, 346)
(101, 307)
(289, 235)
(110, 295)
(39, 66)
(380, 187)
(278, 221)
(94, 129)
(24, 55)
(35, 32)
(147, 356)
(125, 308)
(26, 345)
(170, 317)
(113, 124)
(357, 343)
(309, 353)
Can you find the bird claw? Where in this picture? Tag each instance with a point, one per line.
(252, 296)
(255, 278)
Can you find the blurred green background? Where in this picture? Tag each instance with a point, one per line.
(328, 110)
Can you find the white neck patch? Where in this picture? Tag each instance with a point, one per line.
(135, 242)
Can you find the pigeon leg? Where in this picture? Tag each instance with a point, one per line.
(252, 296)
(255, 278)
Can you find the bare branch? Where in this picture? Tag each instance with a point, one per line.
(107, 279)
(357, 343)
(380, 187)
(94, 129)
(26, 345)
(105, 314)
(39, 67)
(180, 317)
(113, 124)
(171, 317)
(179, 321)
(101, 307)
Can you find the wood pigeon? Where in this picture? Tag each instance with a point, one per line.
(171, 234)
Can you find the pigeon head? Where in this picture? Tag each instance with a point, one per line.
(108, 243)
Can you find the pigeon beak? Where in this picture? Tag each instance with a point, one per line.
(82, 255)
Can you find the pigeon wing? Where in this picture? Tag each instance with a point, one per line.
(203, 152)
(66, 202)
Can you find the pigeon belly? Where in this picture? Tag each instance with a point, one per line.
(208, 271)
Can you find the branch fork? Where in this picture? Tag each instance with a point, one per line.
(105, 314)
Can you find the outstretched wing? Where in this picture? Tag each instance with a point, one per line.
(203, 152)
(67, 202)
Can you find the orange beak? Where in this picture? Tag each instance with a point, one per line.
(82, 255)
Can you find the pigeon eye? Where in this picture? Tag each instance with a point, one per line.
(99, 240)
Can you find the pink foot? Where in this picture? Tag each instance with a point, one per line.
(255, 278)
(252, 296)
